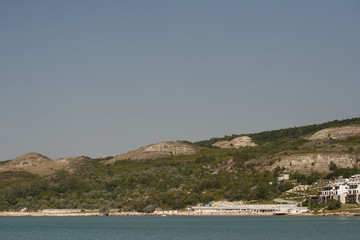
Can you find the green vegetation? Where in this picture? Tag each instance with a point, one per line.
(172, 183)
(344, 172)
(322, 207)
(347, 141)
(335, 207)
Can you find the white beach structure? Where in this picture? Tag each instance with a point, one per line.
(252, 209)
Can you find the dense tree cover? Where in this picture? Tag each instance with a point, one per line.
(344, 172)
(145, 186)
(173, 183)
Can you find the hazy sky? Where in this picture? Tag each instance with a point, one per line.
(105, 77)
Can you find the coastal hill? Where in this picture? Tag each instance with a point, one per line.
(178, 174)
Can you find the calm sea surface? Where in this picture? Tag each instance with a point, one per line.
(180, 227)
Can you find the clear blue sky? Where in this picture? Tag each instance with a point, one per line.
(105, 77)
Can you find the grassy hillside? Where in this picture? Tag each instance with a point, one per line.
(177, 182)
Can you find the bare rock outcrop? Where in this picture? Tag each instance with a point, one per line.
(316, 162)
(243, 141)
(336, 133)
(39, 164)
(158, 150)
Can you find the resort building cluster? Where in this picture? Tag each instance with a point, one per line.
(346, 190)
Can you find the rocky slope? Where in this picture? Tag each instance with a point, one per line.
(243, 141)
(336, 133)
(41, 165)
(158, 150)
(315, 162)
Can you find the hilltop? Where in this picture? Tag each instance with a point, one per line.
(36, 163)
(158, 150)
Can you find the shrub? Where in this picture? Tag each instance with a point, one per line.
(334, 204)
(104, 210)
(127, 209)
(332, 166)
(204, 159)
(149, 208)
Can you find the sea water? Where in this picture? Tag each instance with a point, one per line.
(180, 227)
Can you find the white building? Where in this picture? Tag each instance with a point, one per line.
(283, 176)
(343, 189)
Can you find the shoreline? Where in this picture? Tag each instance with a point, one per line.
(60, 213)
